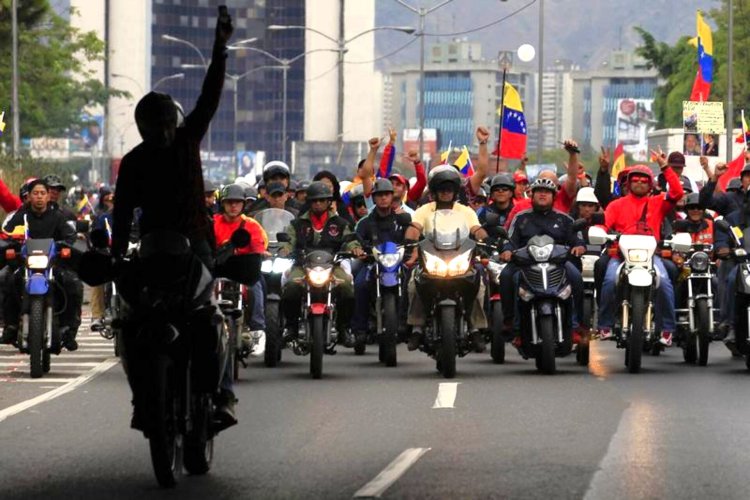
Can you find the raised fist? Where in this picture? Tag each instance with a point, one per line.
(483, 135)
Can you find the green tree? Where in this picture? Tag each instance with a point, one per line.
(55, 85)
(677, 64)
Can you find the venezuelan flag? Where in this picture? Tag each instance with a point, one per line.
(744, 137)
(513, 136)
(2, 123)
(84, 206)
(705, 44)
(446, 154)
(619, 162)
(463, 163)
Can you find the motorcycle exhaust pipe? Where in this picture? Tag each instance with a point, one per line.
(691, 307)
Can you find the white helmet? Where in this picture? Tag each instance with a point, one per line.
(586, 195)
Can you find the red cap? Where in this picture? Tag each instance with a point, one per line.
(400, 178)
(519, 177)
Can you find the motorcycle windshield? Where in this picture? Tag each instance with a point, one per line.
(274, 220)
(449, 230)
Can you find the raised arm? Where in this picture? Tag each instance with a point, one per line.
(573, 168)
(368, 167)
(603, 183)
(483, 135)
(208, 102)
(415, 192)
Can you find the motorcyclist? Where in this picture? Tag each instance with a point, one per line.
(209, 192)
(102, 221)
(641, 213)
(400, 187)
(502, 188)
(44, 222)
(321, 228)
(277, 197)
(444, 184)
(226, 223)
(541, 219)
(301, 194)
(383, 223)
(274, 171)
(56, 190)
(165, 171)
(723, 203)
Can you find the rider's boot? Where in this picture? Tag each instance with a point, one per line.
(225, 410)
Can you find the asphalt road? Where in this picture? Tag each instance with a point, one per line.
(673, 431)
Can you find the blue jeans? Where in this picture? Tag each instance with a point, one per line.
(664, 303)
(730, 288)
(258, 316)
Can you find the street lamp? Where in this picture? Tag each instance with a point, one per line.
(422, 12)
(341, 43)
(539, 129)
(283, 64)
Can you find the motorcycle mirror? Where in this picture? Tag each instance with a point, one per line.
(681, 242)
(491, 219)
(722, 224)
(580, 225)
(597, 218)
(283, 238)
(679, 226)
(403, 219)
(597, 235)
(82, 226)
(240, 238)
(99, 238)
(501, 233)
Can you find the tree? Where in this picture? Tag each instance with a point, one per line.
(677, 65)
(55, 85)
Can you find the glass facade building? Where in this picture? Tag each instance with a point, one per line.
(449, 107)
(259, 93)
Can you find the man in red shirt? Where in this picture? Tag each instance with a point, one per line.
(640, 212)
(226, 223)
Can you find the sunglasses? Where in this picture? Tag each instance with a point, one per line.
(640, 180)
(502, 189)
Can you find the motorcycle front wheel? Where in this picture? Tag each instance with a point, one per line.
(704, 329)
(36, 336)
(199, 445)
(447, 352)
(497, 346)
(546, 351)
(634, 350)
(165, 439)
(390, 335)
(318, 341)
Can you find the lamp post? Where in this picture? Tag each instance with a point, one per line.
(204, 65)
(14, 99)
(341, 43)
(422, 12)
(540, 48)
(730, 90)
(283, 65)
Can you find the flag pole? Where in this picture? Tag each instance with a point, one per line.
(742, 126)
(500, 128)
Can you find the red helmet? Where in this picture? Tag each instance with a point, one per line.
(623, 175)
(642, 170)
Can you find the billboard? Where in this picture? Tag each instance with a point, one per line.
(635, 119)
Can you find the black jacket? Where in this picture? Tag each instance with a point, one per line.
(723, 203)
(167, 184)
(386, 228)
(49, 224)
(502, 214)
(529, 223)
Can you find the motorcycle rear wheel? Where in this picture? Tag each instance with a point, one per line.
(390, 336)
(274, 343)
(318, 341)
(165, 440)
(447, 352)
(199, 446)
(36, 336)
(497, 347)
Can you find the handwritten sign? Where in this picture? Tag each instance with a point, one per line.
(703, 117)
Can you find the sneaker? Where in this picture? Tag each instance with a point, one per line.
(10, 335)
(259, 343)
(225, 415)
(415, 339)
(731, 342)
(666, 339)
(68, 339)
(97, 325)
(477, 338)
(605, 334)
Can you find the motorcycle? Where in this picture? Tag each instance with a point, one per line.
(636, 284)
(318, 312)
(544, 306)
(447, 283)
(493, 304)
(39, 333)
(696, 312)
(229, 297)
(274, 221)
(740, 244)
(588, 264)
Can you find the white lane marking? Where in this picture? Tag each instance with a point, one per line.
(63, 389)
(446, 395)
(25, 364)
(391, 473)
(51, 380)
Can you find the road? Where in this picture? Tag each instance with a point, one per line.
(673, 431)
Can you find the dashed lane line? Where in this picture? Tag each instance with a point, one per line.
(446, 396)
(391, 473)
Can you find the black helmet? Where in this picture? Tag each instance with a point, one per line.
(208, 186)
(303, 185)
(319, 191)
(692, 199)
(382, 186)
(233, 192)
(274, 168)
(502, 180)
(745, 169)
(444, 174)
(54, 182)
(251, 194)
(154, 112)
(687, 186)
(734, 185)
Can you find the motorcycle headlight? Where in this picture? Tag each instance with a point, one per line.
(37, 261)
(740, 252)
(267, 266)
(565, 292)
(638, 255)
(319, 276)
(435, 265)
(541, 254)
(460, 264)
(390, 260)
(699, 262)
(281, 265)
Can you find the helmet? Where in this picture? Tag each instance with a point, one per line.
(687, 186)
(208, 186)
(481, 194)
(745, 169)
(734, 185)
(233, 192)
(444, 174)
(547, 184)
(692, 199)
(154, 111)
(251, 194)
(641, 170)
(319, 191)
(623, 175)
(502, 180)
(586, 195)
(292, 186)
(303, 185)
(382, 186)
(54, 181)
(273, 168)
